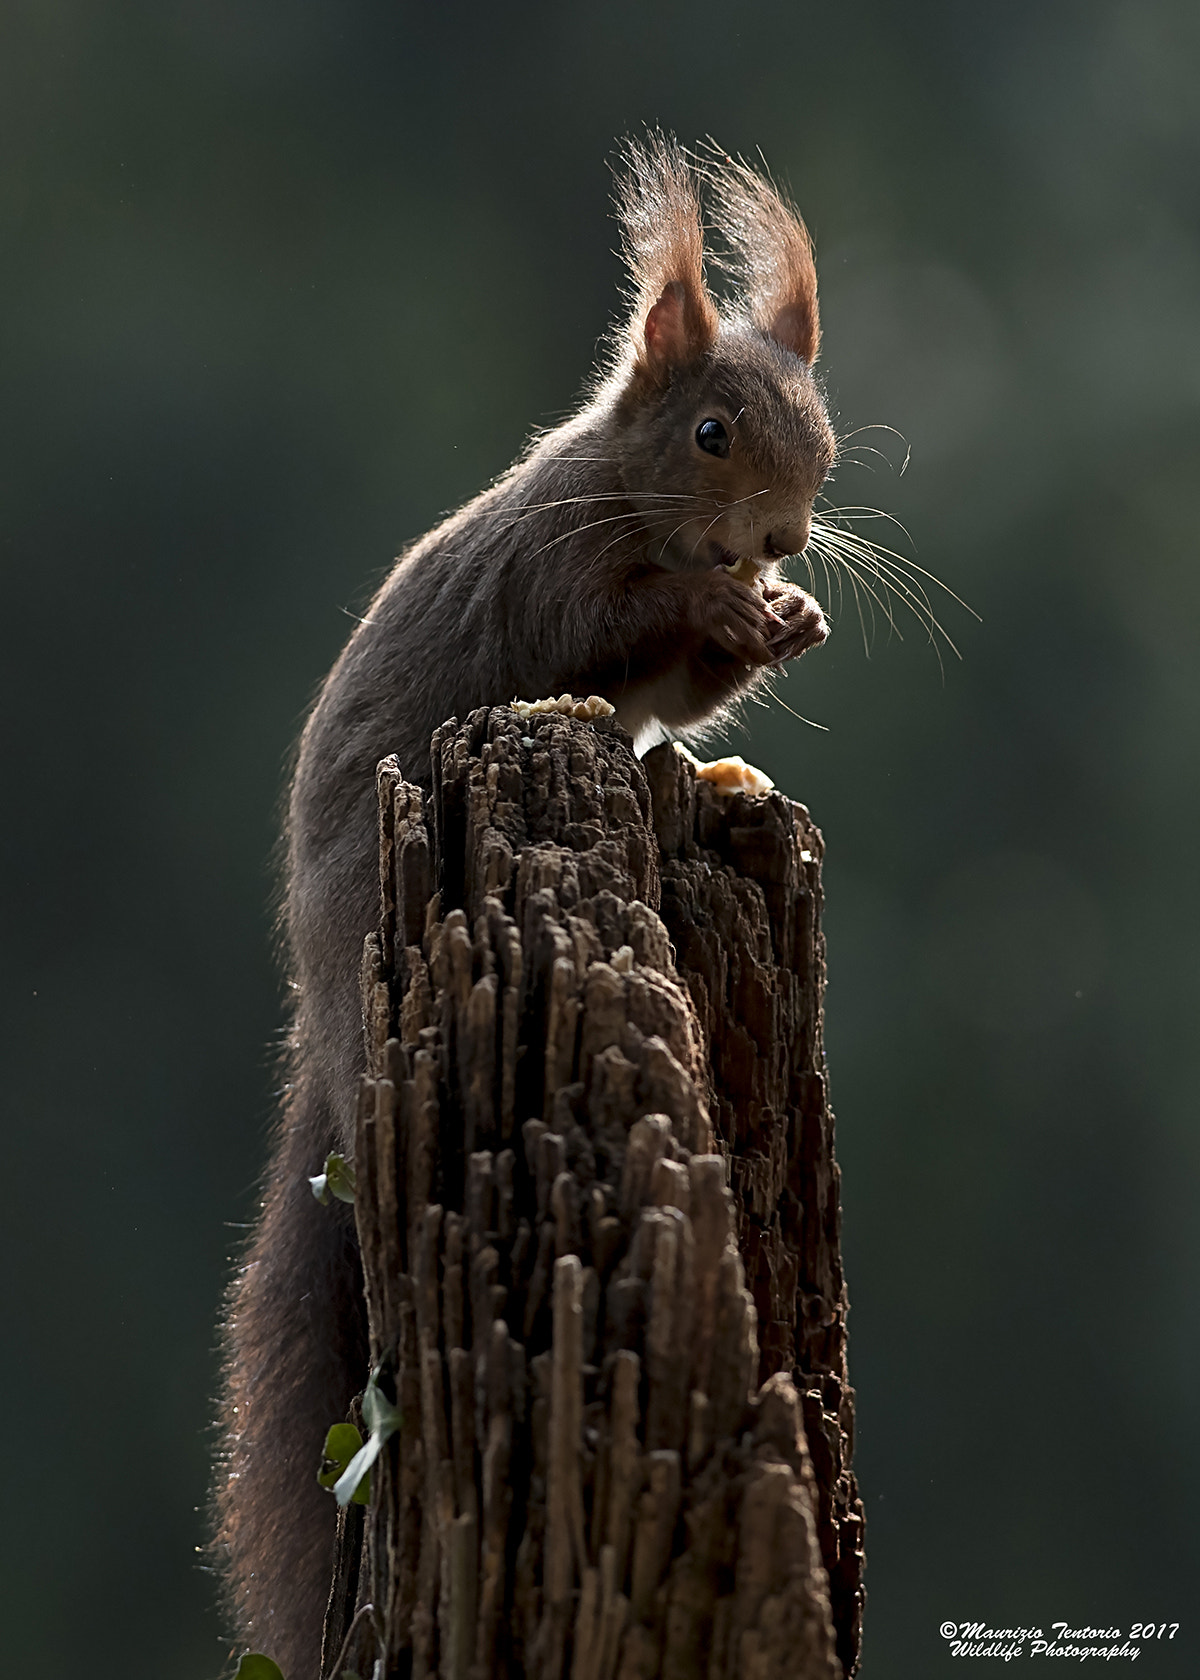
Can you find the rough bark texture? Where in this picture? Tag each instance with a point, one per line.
(598, 1209)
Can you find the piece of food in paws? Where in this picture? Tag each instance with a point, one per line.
(567, 705)
(728, 775)
(746, 571)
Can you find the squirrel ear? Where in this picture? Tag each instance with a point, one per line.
(797, 326)
(674, 318)
(771, 255)
(675, 331)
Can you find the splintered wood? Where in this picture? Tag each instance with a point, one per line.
(598, 1210)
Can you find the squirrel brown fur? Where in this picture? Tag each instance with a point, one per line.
(599, 564)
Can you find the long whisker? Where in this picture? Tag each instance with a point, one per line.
(856, 580)
(522, 511)
(845, 510)
(620, 537)
(875, 426)
(892, 576)
(901, 559)
(808, 569)
(663, 545)
(841, 595)
(750, 496)
(844, 437)
(881, 567)
(779, 701)
(866, 556)
(526, 510)
(859, 583)
(844, 545)
(722, 509)
(605, 496)
(579, 530)
(825, 573)
(903, 563)
(612, 460)
(858, 606)
(846, 457)
(881, 600)
(704, 533)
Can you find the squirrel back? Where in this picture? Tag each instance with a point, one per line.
(602, 562)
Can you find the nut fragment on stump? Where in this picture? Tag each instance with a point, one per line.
(568, 705)
(728, 775)
(598, 1211)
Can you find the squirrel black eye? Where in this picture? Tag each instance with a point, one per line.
(712, 437)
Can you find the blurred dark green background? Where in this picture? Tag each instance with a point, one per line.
(283, 282)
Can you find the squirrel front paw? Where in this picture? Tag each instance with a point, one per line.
(738, 618)
(801, 623)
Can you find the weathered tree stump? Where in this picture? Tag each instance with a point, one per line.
(598, 1210)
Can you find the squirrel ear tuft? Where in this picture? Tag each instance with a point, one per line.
(674, 320)
(771, 254)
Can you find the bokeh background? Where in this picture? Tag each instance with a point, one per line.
(281, 282)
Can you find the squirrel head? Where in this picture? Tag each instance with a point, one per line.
(720, 418)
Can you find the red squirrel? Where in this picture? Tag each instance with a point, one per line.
(601, 563)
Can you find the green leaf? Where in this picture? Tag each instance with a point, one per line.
(337, 1180)
(383, 1419)
(341, 1444)
(254, 1666)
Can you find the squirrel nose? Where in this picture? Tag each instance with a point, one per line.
(791, 539)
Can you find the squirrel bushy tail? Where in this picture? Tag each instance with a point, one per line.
(295, 1353)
